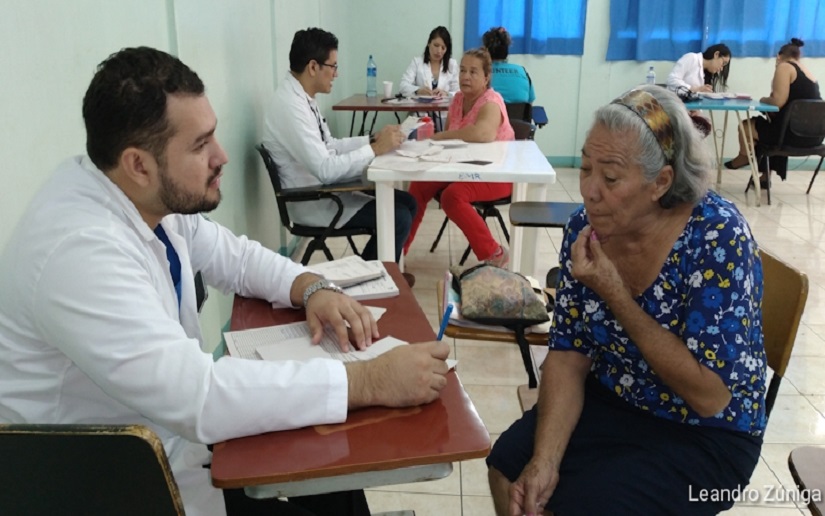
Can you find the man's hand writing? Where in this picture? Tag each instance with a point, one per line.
(387, 139)
(404, 376)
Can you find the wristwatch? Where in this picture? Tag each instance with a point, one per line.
(321, 284)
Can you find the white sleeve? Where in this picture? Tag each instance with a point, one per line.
(681, 69)
(407, 86)
(236, 264)
(296, 128)
(100, 304)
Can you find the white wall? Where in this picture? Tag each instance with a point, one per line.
(240, 49)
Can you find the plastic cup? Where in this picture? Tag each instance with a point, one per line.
(387, 89)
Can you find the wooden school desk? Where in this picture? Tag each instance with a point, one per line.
(375, 446)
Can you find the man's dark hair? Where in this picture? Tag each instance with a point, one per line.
(125, 105)
(312, 44)
(444, 34)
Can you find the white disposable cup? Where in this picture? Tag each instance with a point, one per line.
(387, 89)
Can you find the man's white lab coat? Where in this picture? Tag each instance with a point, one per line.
(90, 330)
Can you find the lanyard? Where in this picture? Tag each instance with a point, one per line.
(318, 119)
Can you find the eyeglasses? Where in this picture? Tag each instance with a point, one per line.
(333, 66)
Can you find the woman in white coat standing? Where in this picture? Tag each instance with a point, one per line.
(701, 71)
(435, 73)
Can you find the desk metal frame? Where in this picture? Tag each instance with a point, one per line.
(366, 105)
(737, 106)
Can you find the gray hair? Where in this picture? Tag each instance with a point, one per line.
(691, 159)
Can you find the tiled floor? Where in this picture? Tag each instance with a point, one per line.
(793, 228)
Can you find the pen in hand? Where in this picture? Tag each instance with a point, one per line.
(445, 320)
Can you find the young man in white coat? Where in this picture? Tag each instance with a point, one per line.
(302, 146)
(98, 322)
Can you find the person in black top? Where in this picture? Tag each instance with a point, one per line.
(791, 81)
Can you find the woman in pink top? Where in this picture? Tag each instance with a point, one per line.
(477, 114)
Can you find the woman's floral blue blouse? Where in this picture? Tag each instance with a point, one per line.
(708, 293)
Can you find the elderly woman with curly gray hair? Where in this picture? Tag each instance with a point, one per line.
(652, 393)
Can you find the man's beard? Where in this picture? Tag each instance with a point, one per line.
(176, 200)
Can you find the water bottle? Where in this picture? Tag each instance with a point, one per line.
(651, 76)
(372, 77)
(426, 131)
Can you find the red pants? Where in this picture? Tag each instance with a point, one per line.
(455, 201)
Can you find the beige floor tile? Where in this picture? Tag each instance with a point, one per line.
(806, 373)
(795, 420)
(491, 365)
(497, 405)
(422, 504)
(478, 506)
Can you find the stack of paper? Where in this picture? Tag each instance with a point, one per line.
(360, 279)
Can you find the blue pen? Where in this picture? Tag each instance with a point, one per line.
(445, 320)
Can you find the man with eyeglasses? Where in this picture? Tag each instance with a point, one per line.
(302, 146)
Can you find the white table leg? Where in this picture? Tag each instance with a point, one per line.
(750, 148)
(523, 249)
(385, 223)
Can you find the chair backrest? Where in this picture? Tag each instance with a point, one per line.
(806, 118)
(783, 301)
(520, 111)
(271, 167)
(523, 130)
(85, 469)
(275, 179)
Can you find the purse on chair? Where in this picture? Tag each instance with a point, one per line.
(492, 295)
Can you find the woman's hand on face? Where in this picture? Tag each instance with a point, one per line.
(591, 266)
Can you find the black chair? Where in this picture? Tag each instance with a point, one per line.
(523, 131)
(85, 469)
(806, 119)
(527, 112)
(314, 193)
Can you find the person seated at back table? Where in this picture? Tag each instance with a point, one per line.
(510, 80)
(98, 322)
(653, 388)
(476, 114)
(701, 71)
(302, 146)
(792, 80)
(436, 72)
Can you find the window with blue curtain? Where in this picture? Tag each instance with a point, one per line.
(535, 26)
(647, 30)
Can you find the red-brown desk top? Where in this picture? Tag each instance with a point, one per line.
(364, 103)
(374, 439)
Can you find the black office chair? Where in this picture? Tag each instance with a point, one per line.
(523, 131)
(527, 112)
(806, 119)
(313, 193)
(85, 469)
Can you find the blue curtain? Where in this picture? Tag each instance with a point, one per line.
(647, 30)
(536, 26)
